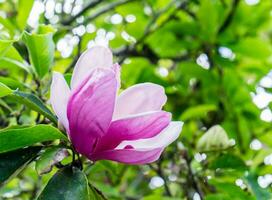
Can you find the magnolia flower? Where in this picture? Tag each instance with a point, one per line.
(129, 127)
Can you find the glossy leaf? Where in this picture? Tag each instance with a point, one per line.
(260, 193)
(4, 46)
(67, 184)
(4, 90)
(11, 163)
(41, 50)
(228, 161)
(24, 9)
(12, 60)
(12, 83)
(34, 103)
(8, 25)
(11, 63)
(15, 138)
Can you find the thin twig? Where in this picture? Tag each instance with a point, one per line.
(191, 176)
(229, 17)
(85, 9)
(105, 9)
(130, 50)
(159, 172)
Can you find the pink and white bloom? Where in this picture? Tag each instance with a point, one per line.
(129, 127)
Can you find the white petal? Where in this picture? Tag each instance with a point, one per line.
(94, 57)
(59, 96)
(140, 98)
(163, 139)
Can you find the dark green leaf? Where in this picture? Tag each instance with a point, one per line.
(228, 161)
(12, 162)
(15, 138)
(68, 78)
(67, 184)
(226, 191)
(35, 103)
(260, 193)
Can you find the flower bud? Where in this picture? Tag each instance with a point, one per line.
(214, 139)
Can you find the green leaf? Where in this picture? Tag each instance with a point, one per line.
(227, 189)
(12, 83)
(4, 46)
(11, 163)
(228, 161)
(11, 63)
(13, 60)
(8, 25)
(4, 90)
(96, 194)
(35, 103)
(158, 197)
(15, 138)
(197, 111)
(24, 9)
(253, 48)
(67, 184)
(260, 193)
(217, 196)
(208, 25)
(68, 78)
(41, 49)
(51, 156)
(13, 53)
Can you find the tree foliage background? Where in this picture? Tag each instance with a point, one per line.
(212, 56)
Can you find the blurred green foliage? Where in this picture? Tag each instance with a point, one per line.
(212, 56)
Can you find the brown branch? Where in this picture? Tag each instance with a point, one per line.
(191, 176)
(146, 51)
(105, 9)
(160, 173)
(85, 9)
(229, 16)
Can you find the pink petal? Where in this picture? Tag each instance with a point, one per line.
(60, 93)
(161, 140)
(90, 109)
(94, 57)
(141, 151)
(139, 98)
(136, 127)
(128, 156)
